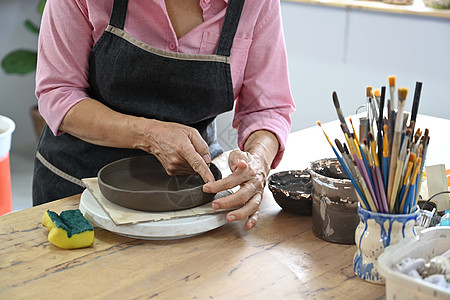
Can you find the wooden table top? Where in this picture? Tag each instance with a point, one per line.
(279, 259)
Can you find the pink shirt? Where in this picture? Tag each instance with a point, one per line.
(258, 58)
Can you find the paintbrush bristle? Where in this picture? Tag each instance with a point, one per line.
(370, 135)
(318, 123)
(392, 79)
(368, 91)
(408, 131)
(377, 93)
(335, 100)
(402, 93)
(339, 145)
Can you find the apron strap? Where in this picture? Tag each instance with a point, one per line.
(119, 13)
(229, 27)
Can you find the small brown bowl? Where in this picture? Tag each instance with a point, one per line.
(292, 191)
(141, 183)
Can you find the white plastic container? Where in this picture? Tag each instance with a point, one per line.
(7, 127)
(429, 243)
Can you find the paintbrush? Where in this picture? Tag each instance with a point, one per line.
(378, 179)
(402, 161)
(377, 94)
(339, 112)
(416, 99)
(426, 141)
(365, 174)
(402, 93)
(380, 123)
(362, 198)
(359, 169)
(354, 132)
(391, 80)
(412, 188)
(365, 150)
(348, 161)
(360, 181)
(406, 182)
(369, 96)
(385, 162)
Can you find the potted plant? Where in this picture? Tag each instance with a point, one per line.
(22, 62)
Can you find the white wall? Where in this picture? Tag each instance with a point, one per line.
(17, 92)
(344, 50)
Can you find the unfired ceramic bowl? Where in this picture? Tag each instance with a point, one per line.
(141, 183)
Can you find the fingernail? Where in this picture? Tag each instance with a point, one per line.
(231, 218)
(250, 224)
(215, 206)
(207, 158)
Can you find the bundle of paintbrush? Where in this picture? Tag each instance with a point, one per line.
(386, 163)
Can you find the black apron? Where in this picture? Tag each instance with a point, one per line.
(135, 78)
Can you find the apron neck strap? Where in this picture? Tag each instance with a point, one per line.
(229, 27)
(230, 24)
(119, 13)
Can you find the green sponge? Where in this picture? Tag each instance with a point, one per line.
(69, 230)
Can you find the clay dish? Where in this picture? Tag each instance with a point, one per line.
(292, 191)
(141, 183)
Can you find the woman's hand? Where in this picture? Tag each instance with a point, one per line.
(249, 171)
(180, 149)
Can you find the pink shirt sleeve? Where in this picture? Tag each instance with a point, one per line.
(265, 101)
(64, 45)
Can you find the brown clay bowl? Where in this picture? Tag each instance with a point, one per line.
(292, 191)
(141, 183)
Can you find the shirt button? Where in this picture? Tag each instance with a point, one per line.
(172, 46)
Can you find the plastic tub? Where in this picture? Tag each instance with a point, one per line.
(430, 243)
(7, 127)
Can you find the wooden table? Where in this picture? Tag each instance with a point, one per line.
(279, 259)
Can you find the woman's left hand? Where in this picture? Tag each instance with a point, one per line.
(249, 171)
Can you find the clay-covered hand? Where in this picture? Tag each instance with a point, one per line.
(180, 149)
(249, 171)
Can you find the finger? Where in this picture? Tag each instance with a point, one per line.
(247, 211)
(235, 200)
(226, 183)
(197, 163)
(237, 159)
(200, 146)
(252, 220)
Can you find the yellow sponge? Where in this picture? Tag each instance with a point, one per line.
(69, 230)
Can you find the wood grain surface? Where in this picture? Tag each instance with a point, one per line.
(279, 259)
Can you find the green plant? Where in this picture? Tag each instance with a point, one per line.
(23, 61)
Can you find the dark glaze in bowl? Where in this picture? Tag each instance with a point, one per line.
(292, 191)
(141, 183)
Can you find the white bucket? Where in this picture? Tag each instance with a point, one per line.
(7, 127)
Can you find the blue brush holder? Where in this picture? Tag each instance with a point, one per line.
(373, 234)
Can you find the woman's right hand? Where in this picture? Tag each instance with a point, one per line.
(179, 148)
